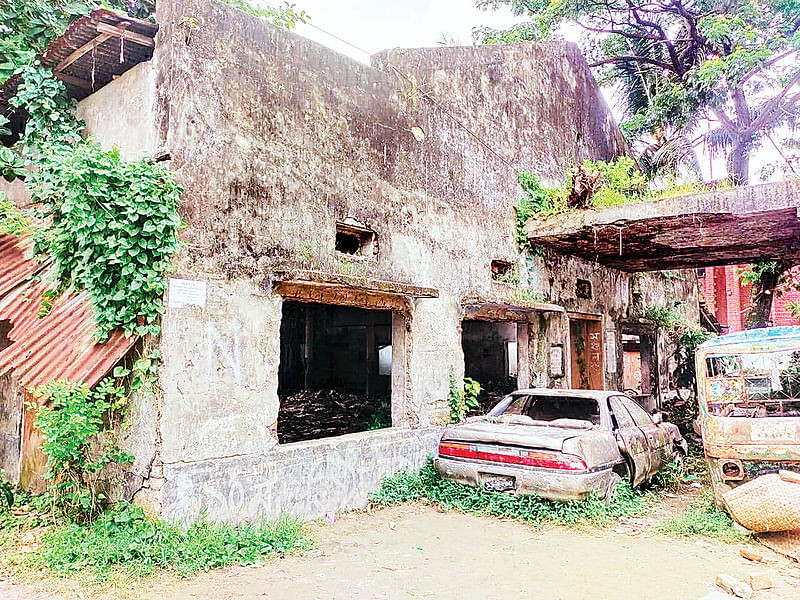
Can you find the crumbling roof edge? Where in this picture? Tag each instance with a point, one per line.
(727, 201)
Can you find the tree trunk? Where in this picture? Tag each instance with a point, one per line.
(761, 296)
(739, 163)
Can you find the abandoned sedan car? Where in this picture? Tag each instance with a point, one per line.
(559, 444)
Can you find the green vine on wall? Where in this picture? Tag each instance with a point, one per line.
(78, 425)
(112, 230)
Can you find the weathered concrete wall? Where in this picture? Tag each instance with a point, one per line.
(306, 479)
(276, 139)
(220, 374)
(121, 114)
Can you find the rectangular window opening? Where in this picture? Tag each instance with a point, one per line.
(335, 374)
(502, 270)
(354, 241)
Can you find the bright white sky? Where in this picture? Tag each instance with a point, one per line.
(374, 25)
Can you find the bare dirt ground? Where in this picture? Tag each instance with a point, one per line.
(415, 551)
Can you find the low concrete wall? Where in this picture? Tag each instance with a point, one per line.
(304, 480)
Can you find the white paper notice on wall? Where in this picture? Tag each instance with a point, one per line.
(186, 292)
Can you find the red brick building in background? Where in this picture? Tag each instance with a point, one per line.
(728, 299)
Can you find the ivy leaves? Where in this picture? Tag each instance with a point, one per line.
(113, 231)
(49, 109)
(11, 165)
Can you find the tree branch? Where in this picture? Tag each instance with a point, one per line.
(638, 59)
(771, 107)
(769, 63)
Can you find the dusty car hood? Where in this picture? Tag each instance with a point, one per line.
(532, 436)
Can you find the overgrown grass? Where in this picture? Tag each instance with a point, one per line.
(123, 539)
(693, 468)
(703, 518)
(426, 485)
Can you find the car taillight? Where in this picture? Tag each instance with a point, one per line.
(528, 458)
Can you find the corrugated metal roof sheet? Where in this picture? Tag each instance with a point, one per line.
(59, 346)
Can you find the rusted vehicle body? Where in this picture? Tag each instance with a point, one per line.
(749, 399)
(558, 444)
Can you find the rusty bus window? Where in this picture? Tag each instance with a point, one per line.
(753, 385)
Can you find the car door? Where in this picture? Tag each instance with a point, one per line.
(631, 439)
(656, 437)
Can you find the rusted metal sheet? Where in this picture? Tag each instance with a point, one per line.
(15, 266)
(58, 346)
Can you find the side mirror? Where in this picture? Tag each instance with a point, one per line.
(658, 417)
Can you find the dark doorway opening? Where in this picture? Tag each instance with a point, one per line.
(335, 371)
(640, 366)
(490, 358)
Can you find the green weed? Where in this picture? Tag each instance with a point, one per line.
(426, 485)
(692, 468)
(123, 539)
(703, 518)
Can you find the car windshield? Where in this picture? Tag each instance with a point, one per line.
(754, 385)
(549, 408)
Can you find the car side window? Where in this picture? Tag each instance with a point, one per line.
(639, 414)
(620, 413)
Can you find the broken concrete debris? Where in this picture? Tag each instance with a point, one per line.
(753, 554)
(733, 586)
(761, 581)
(308, 415)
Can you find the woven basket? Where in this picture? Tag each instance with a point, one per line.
(767, 503)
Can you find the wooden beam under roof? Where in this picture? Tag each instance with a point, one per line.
(120, 32)
(76, 81)
(81, 51)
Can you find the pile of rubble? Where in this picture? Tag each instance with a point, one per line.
(313, 414)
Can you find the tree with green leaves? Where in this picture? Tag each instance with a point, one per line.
(734, 63)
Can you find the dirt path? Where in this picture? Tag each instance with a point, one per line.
(414, 551)
(418, 552)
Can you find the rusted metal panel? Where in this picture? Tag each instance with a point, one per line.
(58, 346)
(741, 448)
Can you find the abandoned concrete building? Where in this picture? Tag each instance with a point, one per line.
(351, 250)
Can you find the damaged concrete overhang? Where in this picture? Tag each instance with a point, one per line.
(348, 290)
(498, 310)
(713, 228)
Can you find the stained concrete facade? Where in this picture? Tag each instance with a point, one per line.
(276, 140)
